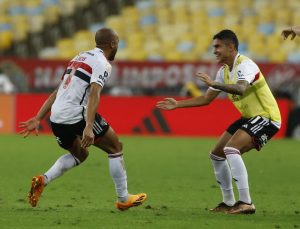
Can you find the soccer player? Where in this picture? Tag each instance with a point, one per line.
(260, 119)
(293, 31)
(76, 123)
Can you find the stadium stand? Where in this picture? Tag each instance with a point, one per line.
(170, 30)
(33, 28)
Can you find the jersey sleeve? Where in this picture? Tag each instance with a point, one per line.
(101, 73)
(247, 71)
(219, 78)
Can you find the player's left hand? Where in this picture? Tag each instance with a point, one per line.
(287, 32)
(28, 126)
(167, 104)
(87, 137)
(205, 78)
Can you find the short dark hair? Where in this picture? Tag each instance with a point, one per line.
(228, 35)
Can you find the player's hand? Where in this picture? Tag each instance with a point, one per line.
(28, 126)
(167, 104)
(87, 137)
(287, 32)
(205, 78)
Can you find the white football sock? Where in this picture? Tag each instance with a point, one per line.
(63, 164)
(118, 174)
(239, 173)
(224, 179)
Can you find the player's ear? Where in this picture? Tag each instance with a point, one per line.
(113, 44)
(231, 47)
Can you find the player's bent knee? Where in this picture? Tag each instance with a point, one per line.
(116, 148)
(218, 153)
(120, 146)
(82, 155)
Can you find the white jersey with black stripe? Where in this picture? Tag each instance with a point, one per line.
(71, 99)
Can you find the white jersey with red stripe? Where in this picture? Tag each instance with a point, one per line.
(247, 70)
(72, 95)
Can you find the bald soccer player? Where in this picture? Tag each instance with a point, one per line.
(76, 123)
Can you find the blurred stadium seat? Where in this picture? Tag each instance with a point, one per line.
(167, 30)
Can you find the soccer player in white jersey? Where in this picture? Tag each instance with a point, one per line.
(260, 119)
(292, 31)
(76, 123)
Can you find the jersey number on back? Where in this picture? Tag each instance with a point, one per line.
(74, 67)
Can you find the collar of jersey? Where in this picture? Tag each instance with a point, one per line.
(99, 49)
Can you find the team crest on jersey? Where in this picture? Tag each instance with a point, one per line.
(235, 98)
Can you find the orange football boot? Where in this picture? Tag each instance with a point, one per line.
(133, 201)
(37, 187)
(222, 207)
(241, 207)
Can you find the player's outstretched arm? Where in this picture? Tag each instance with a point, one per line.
(167, 104)
(33, 123)
(238, 89)
(170, 103)
(290, 31)
(28, 126)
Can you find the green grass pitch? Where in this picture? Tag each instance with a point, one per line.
(176, 174)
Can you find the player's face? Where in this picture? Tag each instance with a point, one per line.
(114, 49)
(222, 50)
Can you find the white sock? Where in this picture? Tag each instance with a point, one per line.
(63, 164)
(224, 179)
(239, 173)
(118, 174)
